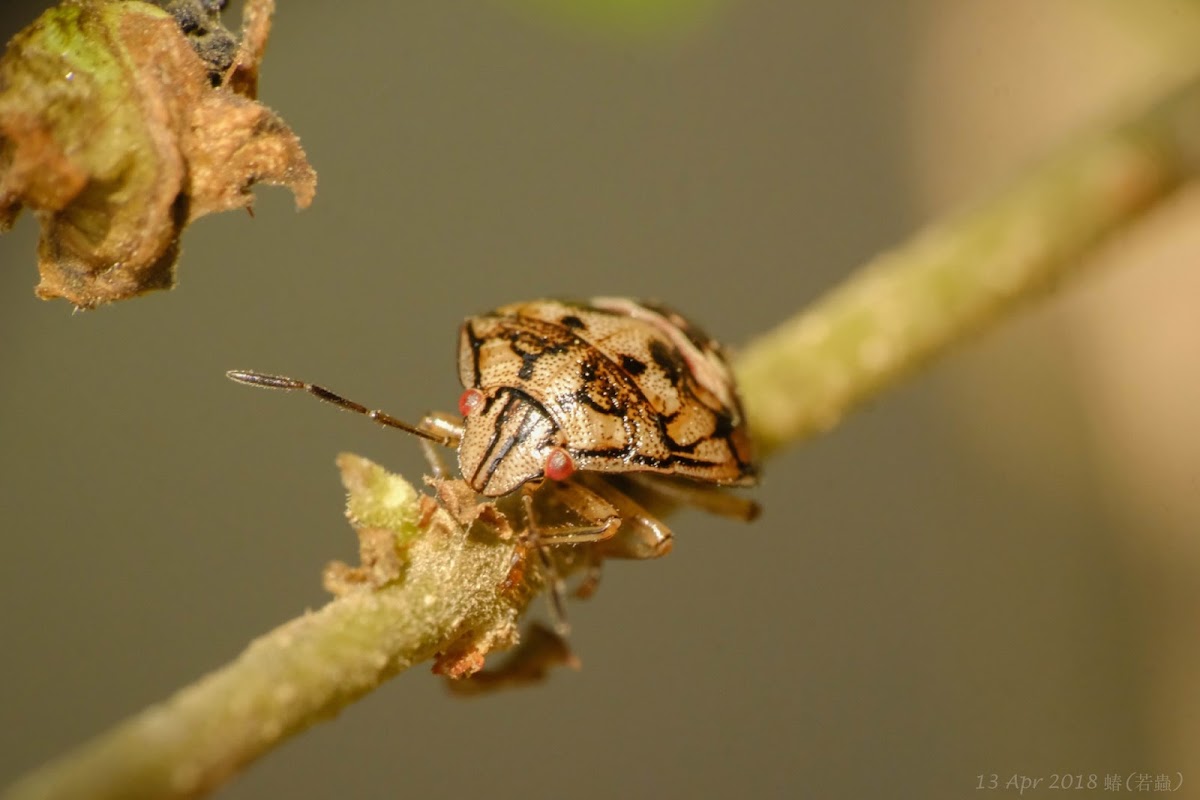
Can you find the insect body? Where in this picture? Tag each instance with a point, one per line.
(593, 410)
(608, 386)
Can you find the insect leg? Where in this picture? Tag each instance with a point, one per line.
(622, 528)
(440, 424)
(601, 518)
(553, 577)
(641, 535)
(591, 575)
(713, 499)
(602, 521)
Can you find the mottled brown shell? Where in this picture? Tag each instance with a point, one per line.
(620, 385)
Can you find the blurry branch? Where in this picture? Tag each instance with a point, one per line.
(424, 589)
(447, 593)
(951, 280)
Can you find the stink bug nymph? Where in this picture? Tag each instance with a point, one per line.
(600, 408)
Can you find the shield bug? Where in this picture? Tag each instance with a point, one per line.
(598, 412)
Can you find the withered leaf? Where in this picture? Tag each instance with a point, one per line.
(112, 132)
(539, 651)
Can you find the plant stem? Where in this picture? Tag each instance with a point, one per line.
(307, 669)
(895, 314)
(949, 281)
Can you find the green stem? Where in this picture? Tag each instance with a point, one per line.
(449, 592)
(949, 281)
(899, 311)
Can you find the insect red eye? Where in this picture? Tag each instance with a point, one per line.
(559, 465)
(470, 400)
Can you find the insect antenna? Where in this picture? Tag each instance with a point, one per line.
(321, 393)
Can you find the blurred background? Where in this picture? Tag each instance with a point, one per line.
(993, 569)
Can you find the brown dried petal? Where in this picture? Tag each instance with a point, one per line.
(465, 656)
(256, 28)
(462, 502)
(111, 131)
(539, 651)
(382, 562)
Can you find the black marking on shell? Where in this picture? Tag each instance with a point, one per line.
(488, 402)
(677, 446)
(531, 348)
(588, 397)
(589, 368)
(610, 382)
(476, 347)
(630, 455)
(493, 458)
(723, 425)
(669, 360)
(597, 393)
(634, 366)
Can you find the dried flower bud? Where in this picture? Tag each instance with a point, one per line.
(112, 131)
